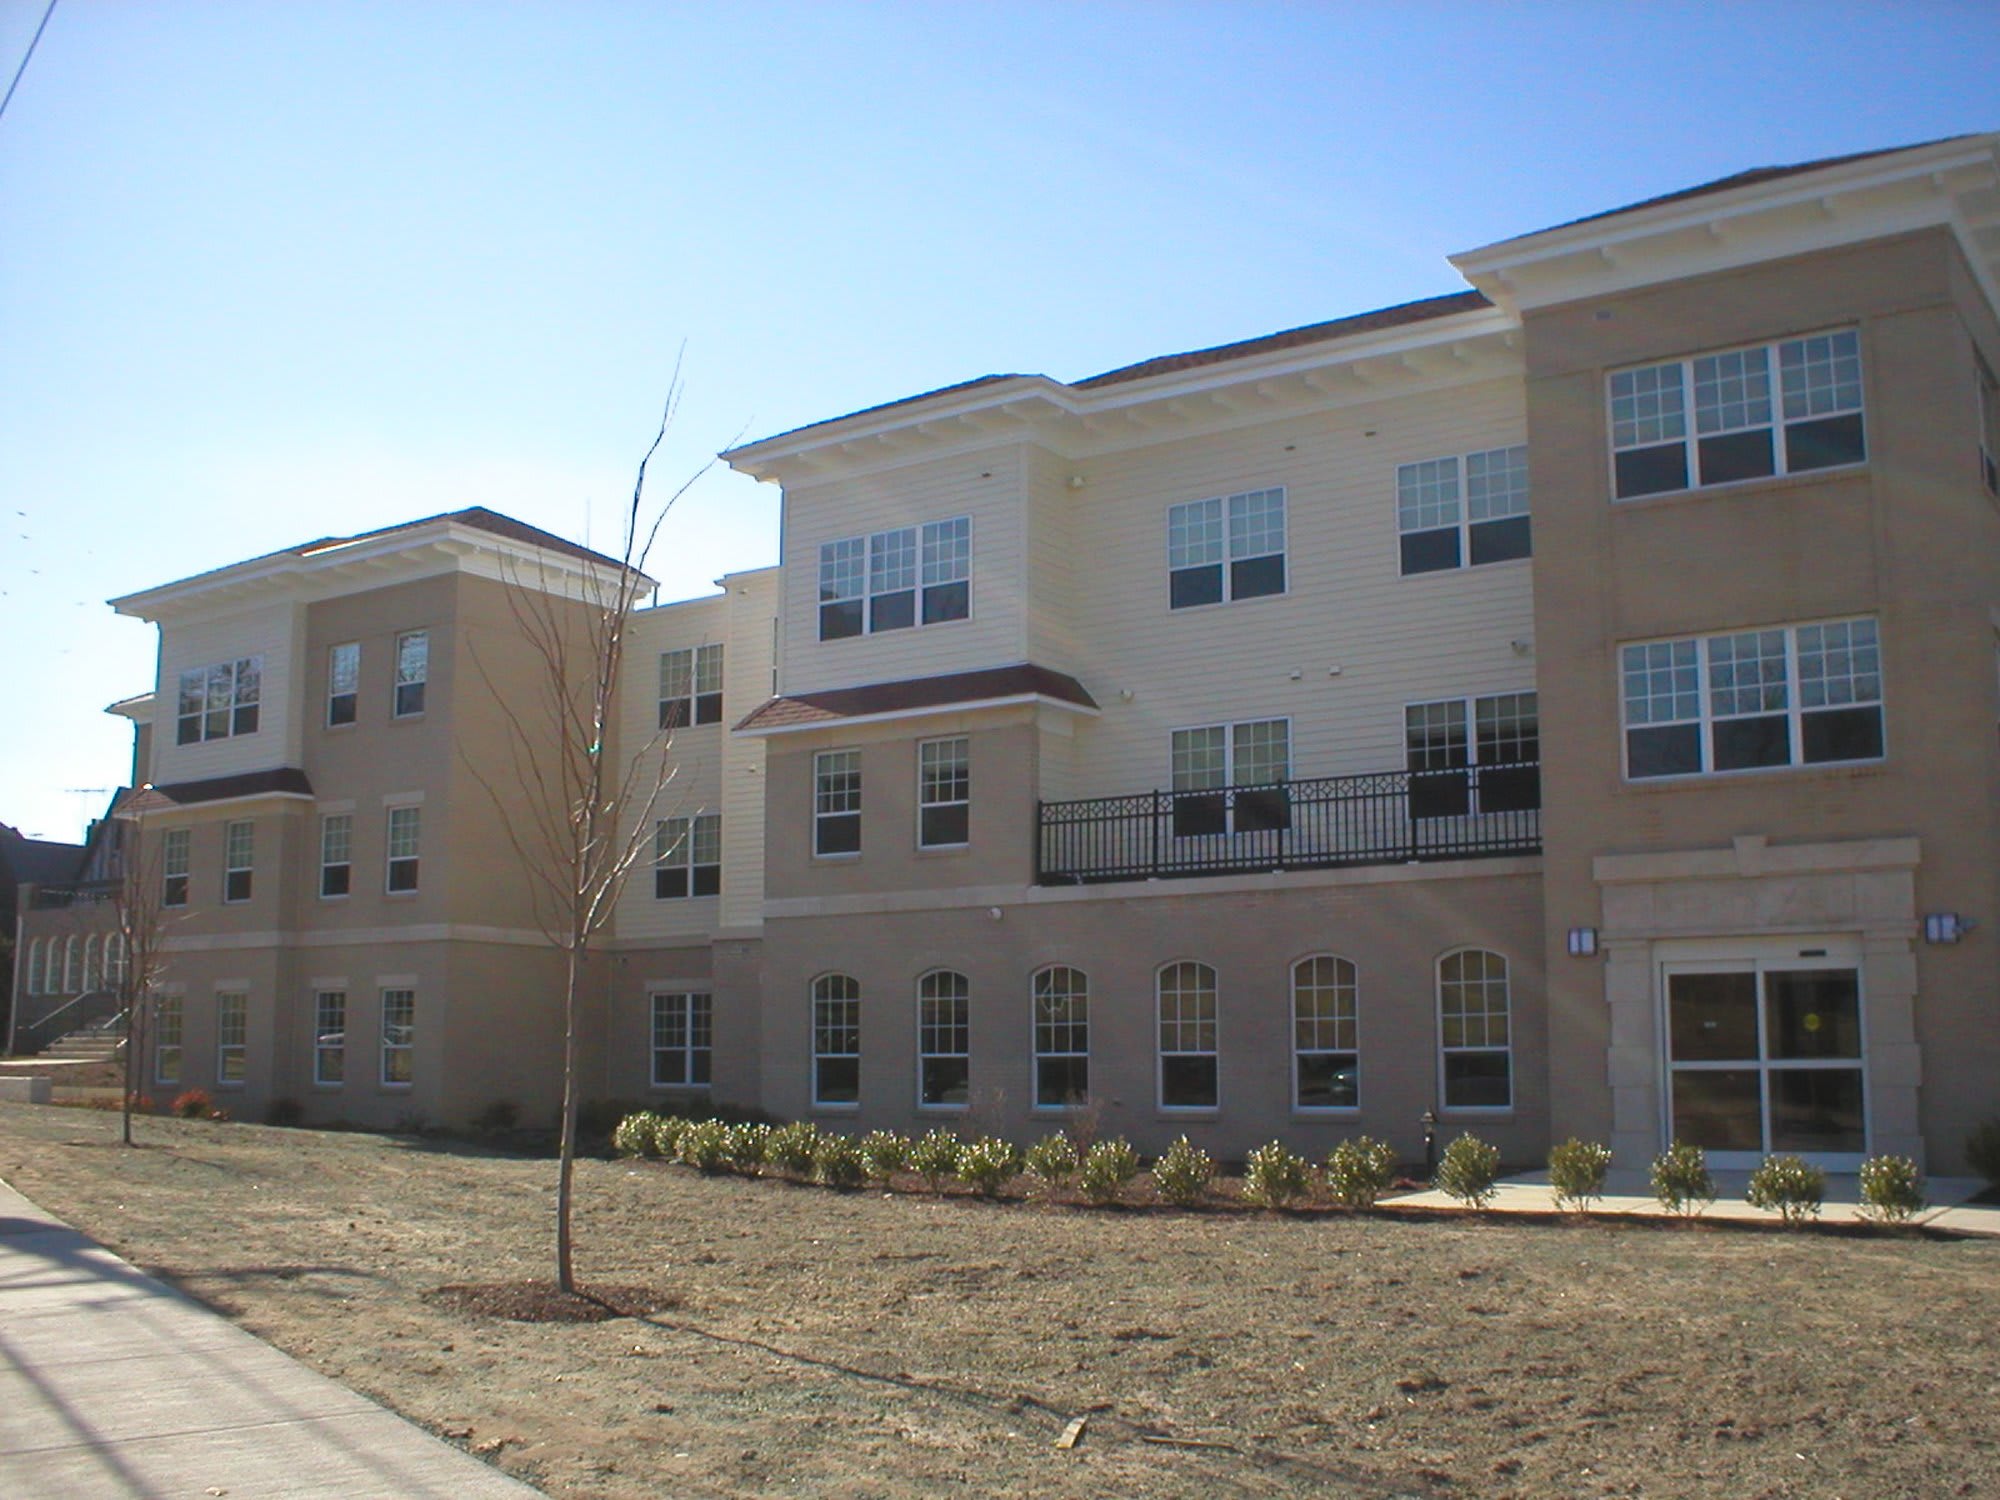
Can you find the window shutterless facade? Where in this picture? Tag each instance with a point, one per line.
(1224, 548)
(1475, 1062)
(1253, 754)
(232, 1038)
(944, 793)
(167, 1039)
(893, 580)
(413, 672)
(1787, 696)
(238, 853)
(399, 1037)
(683, 1039)
(837, 802)
(174, 845)
(220, 702)
(1452, 512)
(1783, 408)
(1499, 734)
(1326, 1056)
(330, 1038)
(691, 686)
(836, 1040)
(343, 683)
(405, 838)
(1062, 1038)
(944, 1041)
(1187, 1037)
(687, 857)
(336, 854)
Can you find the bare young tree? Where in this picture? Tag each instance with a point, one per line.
(139, 907)
(588, 803)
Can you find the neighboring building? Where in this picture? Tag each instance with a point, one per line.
(1169, 746)
(24, 864)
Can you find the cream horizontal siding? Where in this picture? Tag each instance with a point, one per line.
(277, 634)
(753, 609)
(1394, 640)
(985, 486)
(1054, 568)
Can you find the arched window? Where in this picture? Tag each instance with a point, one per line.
(90, 971)
(1326, 1057)
(114, 959)
(1476, 1060)
(1062, 1037)
(70, 971)
(1187, 1037)
(37, 977)
(944, 1040)
(836, 1039)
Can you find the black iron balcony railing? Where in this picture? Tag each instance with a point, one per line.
(1392, 817)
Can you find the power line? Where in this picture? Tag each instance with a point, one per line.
(25, 56)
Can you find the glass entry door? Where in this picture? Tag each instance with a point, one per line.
(1765, 1057)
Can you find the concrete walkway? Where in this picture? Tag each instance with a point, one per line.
(113, 1384)
(1628, 1192)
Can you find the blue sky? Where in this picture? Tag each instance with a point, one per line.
(273, 271)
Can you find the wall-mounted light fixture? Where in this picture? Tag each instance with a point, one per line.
(1583, 942)
(1946, 926)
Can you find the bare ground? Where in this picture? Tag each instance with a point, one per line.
(814, 1343)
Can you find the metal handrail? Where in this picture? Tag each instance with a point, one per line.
(34, 1031)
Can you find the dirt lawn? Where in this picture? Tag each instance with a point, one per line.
(857, 1344)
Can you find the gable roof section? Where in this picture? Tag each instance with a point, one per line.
(917, 695)
(37, 861)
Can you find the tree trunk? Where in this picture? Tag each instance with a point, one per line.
(131, 1061)
(565, 1267)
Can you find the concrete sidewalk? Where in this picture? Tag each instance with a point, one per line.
(114, 1384)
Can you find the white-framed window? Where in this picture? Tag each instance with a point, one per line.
(944, 793)
(220, 702)
(232, 1038)
(1475, 1061)
(71, 970)
(413, 672)
(1227, 547)
(1467, 755)
(1326, 1052)
(1207, 760)
(406, 825)
(1782, 408)
(683, 1038)
(1989, 425)
(944, 1040)
(1062, 1037)
(114, 959)
(894, 580)
(399, 1037)
(691, 686)
(166, 1039)
(91, 971)
(35, 974)
(1463, 511)
(343, 683)
(837, 802)
(1789, 695)
(1187, 1037)
(687, 857)
(836, 1040)
(336, 854)
(174, 847)
(330, 1038)
(239, 844)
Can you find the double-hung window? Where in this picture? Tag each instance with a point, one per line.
(330, 1038)
(1187, 1037)
(893, 580)
(1475, 1059)
(1062, 1038)
(220, 702)
(1227, 547)
(944, 1041)
(232, 1037)
(836, 1040)
(1457, 511)
(399, 1036)
(336, 854)
(238, 852)
(174, 845)
(944, 793)
(1783, 408)
(1786, 696)
(687, 857)
(343, 683)
(1468, 755)
(167, 1039)
(406, 826)
(837, 802)
(691, 686)
(413, 672)
(683, 1039)
(1325, 1058)
(1230, 778)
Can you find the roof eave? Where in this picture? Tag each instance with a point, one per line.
(924, 711)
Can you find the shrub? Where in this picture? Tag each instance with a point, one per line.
(667, 1131)
(1681, 1181)
(1107, 1168)
(1982, 1151)
(746, 1146)
(193, 1104)
(704, 1145)
(838, 1162)
(989, 1164)
(1360, 1171)
(1576, 1172)
(1053, 1160)
(884, 1153)
(1892, 1189)
(285, 1112)
(1787, 1186)
(1183, 1173)
(935, 1158)
(501, 1116)
(1468, 1169)
(794, 1148)
(636, 1135)
(1274, 1177)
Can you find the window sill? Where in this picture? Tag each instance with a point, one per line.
(836, 859)
(395, 719)
(1200, 609)
(1327, 1111)
(1464, 568)
(842, 1110)
(1746, 486)
(1842, 770)
(1187, 1111)
(931, 851)
(344, 896)
(341, 728)
(401, 895)
(902, 630)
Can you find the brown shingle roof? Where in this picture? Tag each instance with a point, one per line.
(285, 779)
(943, 390)
(475, 516)
(915, 694)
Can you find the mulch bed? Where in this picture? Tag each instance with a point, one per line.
(539, 1301)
